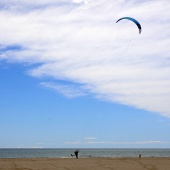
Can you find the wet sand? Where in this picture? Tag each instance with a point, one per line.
(85, 164)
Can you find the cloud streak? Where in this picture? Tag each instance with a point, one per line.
(117, 143)
(79, 42)
(70, 91)
(89, 138)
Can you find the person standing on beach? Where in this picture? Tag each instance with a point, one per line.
(76, 153)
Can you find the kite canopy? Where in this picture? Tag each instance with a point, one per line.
(133, 20)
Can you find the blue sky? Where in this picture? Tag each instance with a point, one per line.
(72, 77)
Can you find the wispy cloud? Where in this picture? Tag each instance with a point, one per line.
(67, 90)
(89, 138)
(79, 41)
(34, 147)
(116, 143)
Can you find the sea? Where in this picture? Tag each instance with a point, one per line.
(83, 153)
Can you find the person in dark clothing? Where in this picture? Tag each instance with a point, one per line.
(76, 153)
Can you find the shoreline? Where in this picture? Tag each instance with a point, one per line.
(105, 163)
(146, 157)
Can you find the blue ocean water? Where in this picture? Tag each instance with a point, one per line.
(84, 153)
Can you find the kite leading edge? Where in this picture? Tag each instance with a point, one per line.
(133, 20)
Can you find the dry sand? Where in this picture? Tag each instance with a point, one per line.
(85, 164)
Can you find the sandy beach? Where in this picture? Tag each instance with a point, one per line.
(85, 164)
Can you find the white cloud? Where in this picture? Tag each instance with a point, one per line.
(81, 1)
(82, 44)
(31, 147)
(89, 138)
(139, 143)
(68, 90)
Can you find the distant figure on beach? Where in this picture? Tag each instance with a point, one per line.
(76, 153)
(140, 156)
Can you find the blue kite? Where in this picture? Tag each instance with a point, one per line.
(133, 20)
